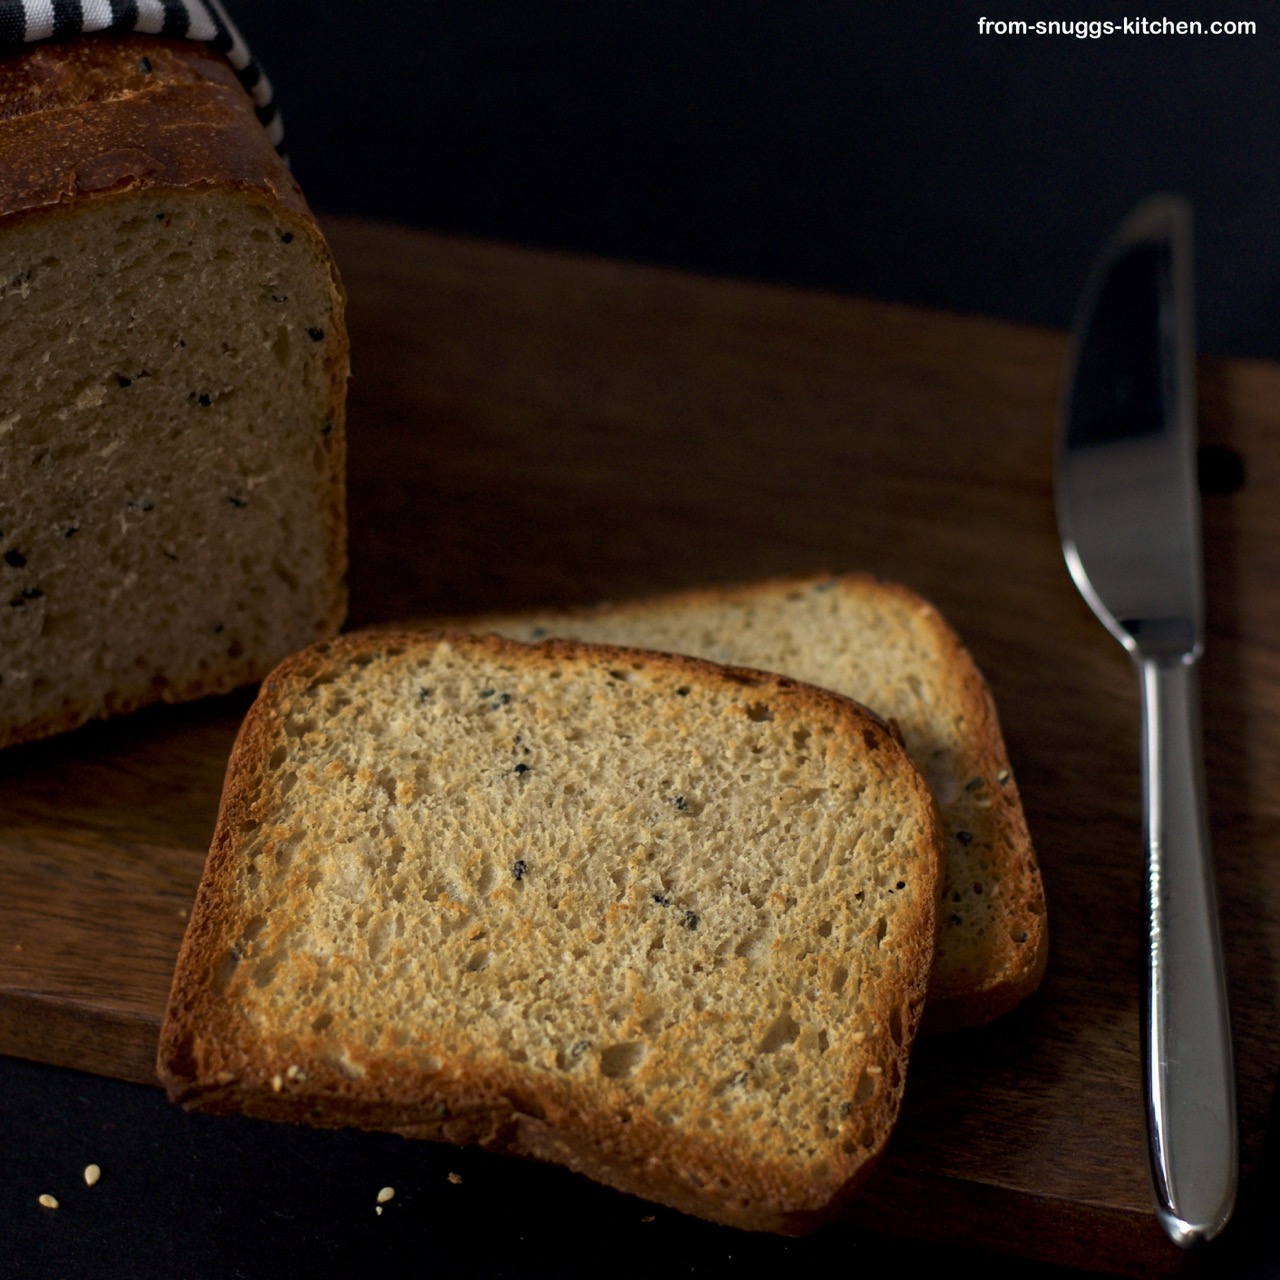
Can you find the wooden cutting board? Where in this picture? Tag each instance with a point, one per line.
(530, 429)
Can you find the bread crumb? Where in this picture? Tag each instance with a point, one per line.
(48, 1201)
(456, 1179)
(648, 1217)
(387, 1193)
(91, 1174)
(17, 946)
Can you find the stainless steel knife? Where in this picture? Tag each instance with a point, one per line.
(1129, 516)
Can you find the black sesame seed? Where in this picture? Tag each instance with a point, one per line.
(486, 693)
(521, 768)
(279, 297)
(17, 602)
(580, 1048)
(315, 334)
(424, 693)
(71, 530)
(237, 502)
(902, 884)
(680, 803)
(965, 837)
(15, 559)
(204, 399)
(538, 633)
(504, 698)
(662, 899)
(740, 1078)
(518, 868)
(327, 429)
(144, 66)
(690, 920)
(123, 381)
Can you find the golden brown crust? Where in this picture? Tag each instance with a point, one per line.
(961, 995)
(83, 119)
(99, 119)
(209, 1059)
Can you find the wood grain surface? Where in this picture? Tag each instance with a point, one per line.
(530, 429)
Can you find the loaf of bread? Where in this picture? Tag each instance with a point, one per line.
(881, 644)
(172, 390)
(664, 922)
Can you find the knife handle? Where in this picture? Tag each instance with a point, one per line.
(1190, 1079)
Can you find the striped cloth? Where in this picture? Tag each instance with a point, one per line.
(24, 21)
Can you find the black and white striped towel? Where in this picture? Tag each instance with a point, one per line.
(25, 21)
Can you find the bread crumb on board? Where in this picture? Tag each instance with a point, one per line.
(456, 1179)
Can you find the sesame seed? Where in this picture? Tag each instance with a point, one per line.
(277, 1082)
(91, 1174)
(387, 1193)
(378, 1210)
(48, 1201)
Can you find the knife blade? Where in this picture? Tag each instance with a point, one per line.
(1129, 517)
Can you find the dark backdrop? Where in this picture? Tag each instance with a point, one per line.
(879, 147)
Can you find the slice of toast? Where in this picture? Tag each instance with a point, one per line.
(880, 643)
(667, 923)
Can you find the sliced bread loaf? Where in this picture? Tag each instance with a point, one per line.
(666, 923)
(882, 644)
(172, 389)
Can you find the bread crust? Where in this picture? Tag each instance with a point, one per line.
(212, 1060)
(960, 995)
(101, 119)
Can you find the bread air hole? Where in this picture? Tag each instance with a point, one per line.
(782, 1031)
(620, 1060)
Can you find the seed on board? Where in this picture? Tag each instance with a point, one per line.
(91, 1174)
(48, 1201)
(387, 1193)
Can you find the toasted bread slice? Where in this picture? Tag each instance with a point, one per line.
(880, 643)
(666, 923)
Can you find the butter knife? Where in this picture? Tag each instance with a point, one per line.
(1129, 516)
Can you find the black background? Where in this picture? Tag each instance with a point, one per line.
(880, 148)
